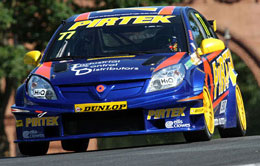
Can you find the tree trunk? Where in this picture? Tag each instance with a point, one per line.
(4, 98)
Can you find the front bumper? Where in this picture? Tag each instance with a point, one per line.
(156, 113)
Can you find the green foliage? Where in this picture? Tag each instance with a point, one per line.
(6, 17)
(11, 63)
(36, 20)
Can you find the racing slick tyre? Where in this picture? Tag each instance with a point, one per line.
(206, 134)
(77, 145)
(240, 129)
(33, 148)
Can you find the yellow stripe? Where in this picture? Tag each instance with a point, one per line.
(203, 24)
(129, 56)
(144, 9)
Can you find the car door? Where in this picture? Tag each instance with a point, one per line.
(216, 65)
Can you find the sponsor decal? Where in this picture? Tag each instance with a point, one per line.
(223, 69)
(188, 64)
(96, 107)
(112, 21)
(167, 81)
(39, 92)
(223, 107)
(19, 123)
(38, 122)
(219, 121)
(195, 59)
(165, 113)
(196, 111)
(190, 35)
(33, 134)
(41, 114)
(176, 124)
(109, 65)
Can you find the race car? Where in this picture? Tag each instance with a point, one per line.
(129, 71)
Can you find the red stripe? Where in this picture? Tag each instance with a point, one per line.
(37, 111)
(170, 61)
(208, 73)
(220, 99)
(168, 10)
(82, 17)
(200, 96)
(213, 55)
(45, 70)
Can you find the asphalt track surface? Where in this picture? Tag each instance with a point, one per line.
(229, 151)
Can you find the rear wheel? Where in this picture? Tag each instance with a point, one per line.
(240, 129)
(206, 134)
(77, 145)
(33, 148)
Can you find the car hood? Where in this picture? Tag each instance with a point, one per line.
(105, 69)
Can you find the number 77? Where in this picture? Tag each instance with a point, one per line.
(69, 34)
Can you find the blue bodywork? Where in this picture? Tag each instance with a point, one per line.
(49, 120)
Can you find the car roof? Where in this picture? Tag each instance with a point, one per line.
(149, 10)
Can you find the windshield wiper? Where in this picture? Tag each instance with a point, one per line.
(62, 49)
(61, 58)
(67, 58)
(134, 52)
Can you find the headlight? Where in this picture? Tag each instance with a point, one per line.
(40, 89)
(168, 77)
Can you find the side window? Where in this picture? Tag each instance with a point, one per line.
(204, 23)
(197, 35)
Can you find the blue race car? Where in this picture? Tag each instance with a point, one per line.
(129, 71)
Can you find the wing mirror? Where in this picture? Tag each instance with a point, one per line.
(32, 58)
(210, 45)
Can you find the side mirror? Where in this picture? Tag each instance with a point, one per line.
(32, 58)
(210, 45)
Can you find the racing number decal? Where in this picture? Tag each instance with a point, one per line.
(69, 34)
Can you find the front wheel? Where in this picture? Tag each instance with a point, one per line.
(33, 148)
(240, 129)
(77, 145)
(206, 134)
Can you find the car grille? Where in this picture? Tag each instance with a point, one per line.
(83, 93)
(98, 122)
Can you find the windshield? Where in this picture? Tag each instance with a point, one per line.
(118, 35)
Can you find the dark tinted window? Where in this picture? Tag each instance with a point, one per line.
(110, 40)
(197, 34)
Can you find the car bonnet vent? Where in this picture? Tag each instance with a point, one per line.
(60, 67)
(154, 60)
